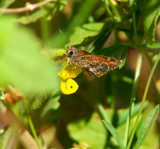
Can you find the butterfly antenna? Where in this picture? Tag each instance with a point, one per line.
(64, 37)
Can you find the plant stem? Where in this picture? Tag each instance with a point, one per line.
(33, 131)
(107, 8)
(117, 16)
(143, 100)
(131, 2)
(133, 95)
(44, 31)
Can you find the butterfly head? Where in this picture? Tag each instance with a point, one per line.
(73, 52)
(70, 51)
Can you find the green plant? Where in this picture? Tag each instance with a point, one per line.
(118, 110)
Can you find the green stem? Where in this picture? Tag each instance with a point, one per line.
(44, 31)
(131, 2)
(33, 131)
(107, 8)
(134, 28)
(143, 100)
(117, 16)
(133, 95)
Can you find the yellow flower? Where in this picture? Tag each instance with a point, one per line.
(70, 71)
(68, 85)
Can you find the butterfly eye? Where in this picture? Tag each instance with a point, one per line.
(71, 53)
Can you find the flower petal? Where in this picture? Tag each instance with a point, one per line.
(70, 71)
(69, 86)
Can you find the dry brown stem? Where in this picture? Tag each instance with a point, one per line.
(27, 8)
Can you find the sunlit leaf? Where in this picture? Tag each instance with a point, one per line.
(145, 126)
(115, 134)
(89, 131)
(83, 32)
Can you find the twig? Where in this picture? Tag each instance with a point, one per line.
(28, 7)
(8, 118)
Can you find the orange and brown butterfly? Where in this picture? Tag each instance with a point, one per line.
(91, 64)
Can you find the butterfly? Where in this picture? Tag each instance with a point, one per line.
(91, 64)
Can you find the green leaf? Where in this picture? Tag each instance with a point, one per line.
(36, 15)
(81, 33)
(78, 18)
(123, 57)
(21, 63)
(150, 14)
(145, 126)
(109, 51)
(153, 46)
(2, 136)
(52, 104)
(90, 131)
(7, 3)
(48, 11)
(113, 131)
(152, 135)
(123, 116)
(30, 103)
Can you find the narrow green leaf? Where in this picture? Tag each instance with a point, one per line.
(123, 57)
(123, 117)
(146, 126)
(143, 101)
(153, 46)
(109, 51)
(113, 131)
(150, 14)
(2, 136)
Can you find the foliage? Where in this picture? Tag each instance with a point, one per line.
(118, 110)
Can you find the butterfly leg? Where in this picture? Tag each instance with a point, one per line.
(62, 57)
(87, 73)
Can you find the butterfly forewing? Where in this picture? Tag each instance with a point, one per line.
(97, 65)
(90, 63)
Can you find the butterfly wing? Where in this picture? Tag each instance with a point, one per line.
(97, 65)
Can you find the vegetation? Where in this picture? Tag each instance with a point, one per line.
(38, 110)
